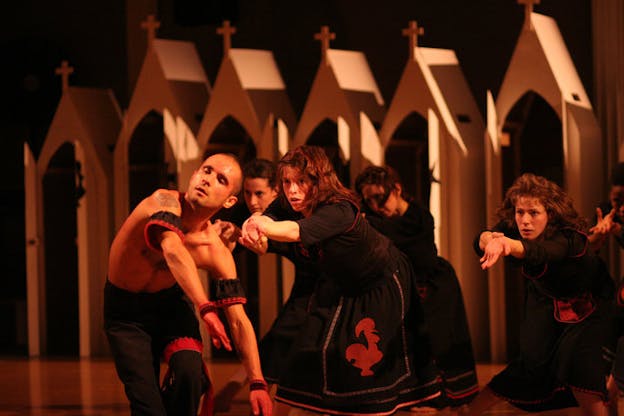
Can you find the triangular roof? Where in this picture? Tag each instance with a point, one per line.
(356, 79)
(433, 79)
(539, 61)
(354, 74)
(456, 95)
(89, 115)
(179, 61)
(343, 86)
(250, 88)
(173, 78)
(259, 75)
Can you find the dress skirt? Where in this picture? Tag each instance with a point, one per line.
(447, 323)
(362, 351)
(557, 358)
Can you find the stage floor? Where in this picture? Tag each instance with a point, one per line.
(91, 388)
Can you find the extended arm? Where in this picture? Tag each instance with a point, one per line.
(260, 226)
(184, 270)
(495, 245)
(163, 232)
(245, 341)
(605, 226)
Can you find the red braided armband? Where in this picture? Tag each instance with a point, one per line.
(212, 306)
(206, 307)
(258, 384)
(159, 221)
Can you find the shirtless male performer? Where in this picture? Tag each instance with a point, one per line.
(152, 288)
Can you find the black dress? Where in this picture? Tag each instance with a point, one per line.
(567, 324)
(441, 297)
(363, 348)
(276, 344)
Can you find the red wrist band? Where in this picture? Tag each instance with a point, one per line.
(206, 307)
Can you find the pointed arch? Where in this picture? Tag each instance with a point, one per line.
(533, 140)
(325, 135)
(151, 164)
(230, 136)
(408, 153)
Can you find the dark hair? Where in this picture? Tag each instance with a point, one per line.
(260, 168)
(617, 175)
(558, 204)
(386, 177)
(313, 163)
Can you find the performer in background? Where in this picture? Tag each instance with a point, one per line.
(568, 307)
(153, 286)
(362, 349)
(609, 223)
(410, 227)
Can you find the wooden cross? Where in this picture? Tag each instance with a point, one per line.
(150, 25)
(324, 36)
(226, 31)
(412, 32)
(528, 9)
(64, 70)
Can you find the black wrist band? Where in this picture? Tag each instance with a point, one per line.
(258, 384)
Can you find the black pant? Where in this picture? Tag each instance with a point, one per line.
(138, 327)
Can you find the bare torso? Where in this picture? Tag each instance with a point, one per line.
(135, 267)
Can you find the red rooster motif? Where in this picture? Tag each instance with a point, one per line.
(365, 356)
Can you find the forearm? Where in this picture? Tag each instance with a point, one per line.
(516, 248)
(284, 231)
(484, 239)
(245, 341)
(223, 265)
(183, 268)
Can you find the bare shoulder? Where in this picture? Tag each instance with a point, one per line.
(160, 200)
(165, 200)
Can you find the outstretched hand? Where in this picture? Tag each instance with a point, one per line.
(252, 233)
(260, 403)
(216, 330)
(498, 246)
(228, 232)
(604, 223)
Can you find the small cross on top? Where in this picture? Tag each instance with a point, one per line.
(412, 32)
(226, 31)
(150, 25)
(528, 9)
(324, 36)
(64, 70)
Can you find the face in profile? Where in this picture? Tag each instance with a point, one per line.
(531, 217)
(258, 194)
(296, 188)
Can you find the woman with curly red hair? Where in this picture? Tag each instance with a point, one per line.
(568, 303)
